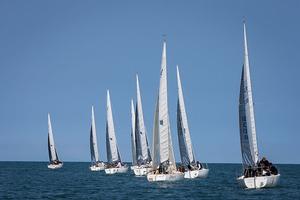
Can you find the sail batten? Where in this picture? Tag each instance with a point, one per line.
(112, 150)
(246, 114)
(184, 138)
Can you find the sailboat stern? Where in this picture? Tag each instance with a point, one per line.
(175, 176)
(259, 181)
(55, 166)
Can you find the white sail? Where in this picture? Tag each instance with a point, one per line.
(142, 147)
(133, 147)
(184, 138)
(246, 114)
(162, 141)
(111, 141)
(93, 140)
(155, 140)
(51, 147)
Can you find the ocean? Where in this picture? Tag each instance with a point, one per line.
(33, 180)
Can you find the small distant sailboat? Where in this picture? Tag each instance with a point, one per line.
(257, 174)
(133, 145)
(163, 163)
(192, 169)
(96, 164)
(114, 164)
(53, 157)
(143, 156)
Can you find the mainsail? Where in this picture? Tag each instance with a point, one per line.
(112, 150)
(162, 141)
(184, 138)
(133, 141)
(246, 114)
(51, 147)
(142, 148)
(93, 140)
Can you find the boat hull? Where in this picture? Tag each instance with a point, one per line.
(115, 170)
(55, 166)
(97, 167)
(199, 173)
(141, 170)
(259, 181)
(176, 176)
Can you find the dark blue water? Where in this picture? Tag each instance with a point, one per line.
(33, 180)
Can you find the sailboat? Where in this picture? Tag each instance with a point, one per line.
(193, 169)
(114, 163)
(143, 156)
(96, 165)
(55, 163)
(133, 145)
(257, 174)
(163, 163)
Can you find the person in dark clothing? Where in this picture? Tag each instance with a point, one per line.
(160, 169)
(273, 170)
(199, 165)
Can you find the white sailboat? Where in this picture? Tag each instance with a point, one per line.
(55, 163)
(257, 174)
(163, 163)
(133, 147)
(114, 163)
(143, 156)
(96, 164)
(193, 169)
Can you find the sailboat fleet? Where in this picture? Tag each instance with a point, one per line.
(159, 164)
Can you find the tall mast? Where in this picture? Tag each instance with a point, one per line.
(246, 113)
(142, 147)
(93, 140)
(184, 138)
(133, 140)
(111, 141)
(51, 145)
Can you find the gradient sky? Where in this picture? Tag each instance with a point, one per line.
(61, 56)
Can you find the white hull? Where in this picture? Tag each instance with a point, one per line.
(259, 181)
(141, 170)
(165, 177)
(55, 166)
(115, 170)
(199, 173)
(99, 167)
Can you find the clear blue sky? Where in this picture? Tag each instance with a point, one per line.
(61, 56)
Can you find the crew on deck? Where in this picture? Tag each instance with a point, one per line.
(264, 168)
(55, 162)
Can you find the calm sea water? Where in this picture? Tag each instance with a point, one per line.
(33, 180)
